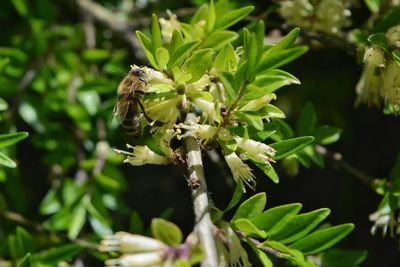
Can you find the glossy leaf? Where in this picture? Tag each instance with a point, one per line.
(6, 161)
(267, 168)
(325, 135)
(219, 39)
(147, 46)
(26, 261)
(379, 40)
(78, 220)
(237, 195)
(198, 64)
(252, 207)
(12, 138)
(307, 120)
(300, 226)
(232, 17)
(248, 228)
(181, 53)
(166, 231)
(280, 58)
(322, 239)
(274, 219)
(289, 146)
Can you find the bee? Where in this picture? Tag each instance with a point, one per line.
(129, 108)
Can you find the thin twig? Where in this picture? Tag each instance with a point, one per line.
(337, 160)
(201, 204)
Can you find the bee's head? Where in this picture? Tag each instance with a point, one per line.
(138, 72)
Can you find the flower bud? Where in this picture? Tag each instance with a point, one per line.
(128, 243)
(152, 259)
(169, 25)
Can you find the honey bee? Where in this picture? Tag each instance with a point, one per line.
(129, 108)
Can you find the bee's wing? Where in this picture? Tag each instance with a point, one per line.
(121, 108)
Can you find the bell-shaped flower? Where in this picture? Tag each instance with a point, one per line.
(393, 36)
(256, 149)
(369, 86)
(123, 242)
(240, 170)
(169, 25)
(146, 259)
(142, 155)
(210, 109)
(391, 84)
(165, 111)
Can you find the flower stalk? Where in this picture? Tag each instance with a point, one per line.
(201, 204)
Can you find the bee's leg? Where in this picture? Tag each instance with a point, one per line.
(157, 123)
(144, 93)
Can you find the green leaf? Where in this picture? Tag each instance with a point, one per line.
(95, 55)
(78, 220)
(267, 168)
(237, 195)
(373, 5)
(396, 55)
(300, 226)
(166, 231)
(29, 114)
(50, 203)
(322, 239)
(268, 82)
(307, 120)
(252, 118)
(391, 19)
(343, 258)
(176, 41)
(379, 40)
(220, 39)
(12, 138)
(210, 23)
(26, 261)
(274, 219)
(280, 58)
(229, 82)
(3, 104)
(181, 53)
(198, 64)
(57, 254)
(325, 135)
(247, 227)
(289, 146)
(232, 17)
(252, 207)
(226, 59)
(156, 41)
(147, 46)
(287, 41)
(25, 241)
(271, 111)
(6, 161)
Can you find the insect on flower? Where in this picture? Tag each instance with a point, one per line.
(129, 108)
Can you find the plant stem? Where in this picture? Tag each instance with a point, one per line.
(201, 204)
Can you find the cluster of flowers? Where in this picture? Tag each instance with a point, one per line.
(166, 103)
(324, 16)
(381, 74)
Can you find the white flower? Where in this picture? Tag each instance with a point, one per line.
(374, 57)
(369, 86)
(165, 111)
(169, 25)
(201, 84)
(391, 84)
(128, 243)
(209, 108)
(202, 131)
(393, 36)
(165, 143)
(256, 149)
(142, 155)
(155, 77)
(381, 220)
(147, 259)
(240, 170)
